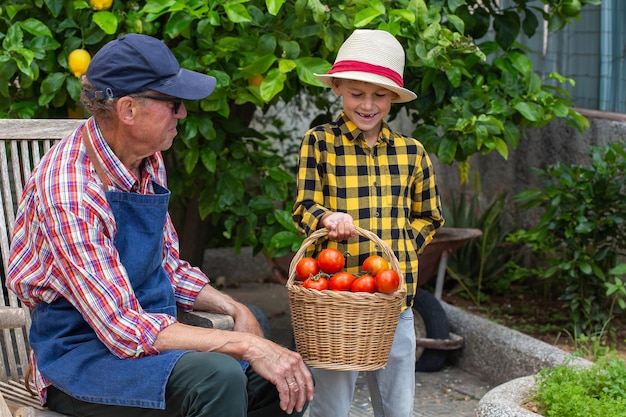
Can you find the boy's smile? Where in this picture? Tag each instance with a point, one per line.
(366, 104)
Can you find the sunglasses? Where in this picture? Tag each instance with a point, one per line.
(177, 101)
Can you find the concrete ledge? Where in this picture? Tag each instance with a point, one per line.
(503, 357)
(505, 399)
(497, 353)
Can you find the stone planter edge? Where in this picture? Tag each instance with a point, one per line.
(505, 358)
(505, 400)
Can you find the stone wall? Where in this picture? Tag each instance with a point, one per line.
(491, 174)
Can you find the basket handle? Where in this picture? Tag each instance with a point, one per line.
(322, 232)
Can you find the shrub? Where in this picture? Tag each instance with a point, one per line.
(481, 266)
(581, 235)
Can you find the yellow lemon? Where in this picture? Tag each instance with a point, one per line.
(100, 4)
(78, 61)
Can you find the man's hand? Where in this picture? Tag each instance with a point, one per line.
(340, 226)
(285, 369)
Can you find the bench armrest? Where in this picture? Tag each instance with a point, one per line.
(12, 317)
(205, 319)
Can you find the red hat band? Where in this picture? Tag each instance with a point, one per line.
(348, 65)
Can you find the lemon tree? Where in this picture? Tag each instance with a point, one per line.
(474, 93)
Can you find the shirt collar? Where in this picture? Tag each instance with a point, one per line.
(349, 130)
(121, 177)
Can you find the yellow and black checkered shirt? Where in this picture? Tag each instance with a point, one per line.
(389, 190)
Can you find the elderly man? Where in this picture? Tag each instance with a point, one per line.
(95, 256)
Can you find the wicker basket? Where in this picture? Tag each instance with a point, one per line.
(342, 330)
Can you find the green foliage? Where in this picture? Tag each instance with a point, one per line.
(474, 93)
(581, 235)
(480, 266)
(592, 346)
(575, 391)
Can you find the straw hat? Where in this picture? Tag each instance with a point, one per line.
(373, 56)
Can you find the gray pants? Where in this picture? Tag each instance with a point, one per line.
(202, 384)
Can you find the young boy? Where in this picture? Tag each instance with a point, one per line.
(357, 172)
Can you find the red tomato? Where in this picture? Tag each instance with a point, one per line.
(331, 260)
(306, 267)
(364, 283)
(374, 263)
(316, 283)
(341, 281)
(387, 281)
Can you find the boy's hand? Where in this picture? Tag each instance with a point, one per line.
(340, 226)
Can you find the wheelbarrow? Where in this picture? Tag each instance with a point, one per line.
(434, 341)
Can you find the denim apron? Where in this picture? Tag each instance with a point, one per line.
(67, 350)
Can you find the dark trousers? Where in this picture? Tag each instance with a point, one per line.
(200, 385)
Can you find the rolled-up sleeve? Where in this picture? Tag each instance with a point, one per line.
(309, 205)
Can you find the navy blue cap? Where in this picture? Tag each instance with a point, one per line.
(135, 63)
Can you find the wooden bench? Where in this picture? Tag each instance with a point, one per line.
(22, 144)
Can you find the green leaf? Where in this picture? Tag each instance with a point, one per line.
(307, 67)
(209, 159)
(258, 66)
(177, 23)
(318, 9)
(206, 128)
(261, 204)
(521, 62)
(530, 23)
(507, 28)
(13, 39)
(365, 16)
(457, 22)
(502, 148)
(73, 88)
(24, 60)
(584, 267)
(158, 7)
(106, 21)
(421, 11)
(455, 4)
(36, 28)
(286, 65)
(403, 14)
(273, 84)
(454, 76)
(528, 110)
(44, 43)
(273, 6)
(237, 13)
(275, 190)
(447, 150)
(52, 83)
(332, 38)
(14, 9)
(619, 269)
(190, 159)
(229, 191)
(285, 220)
(285, 239)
